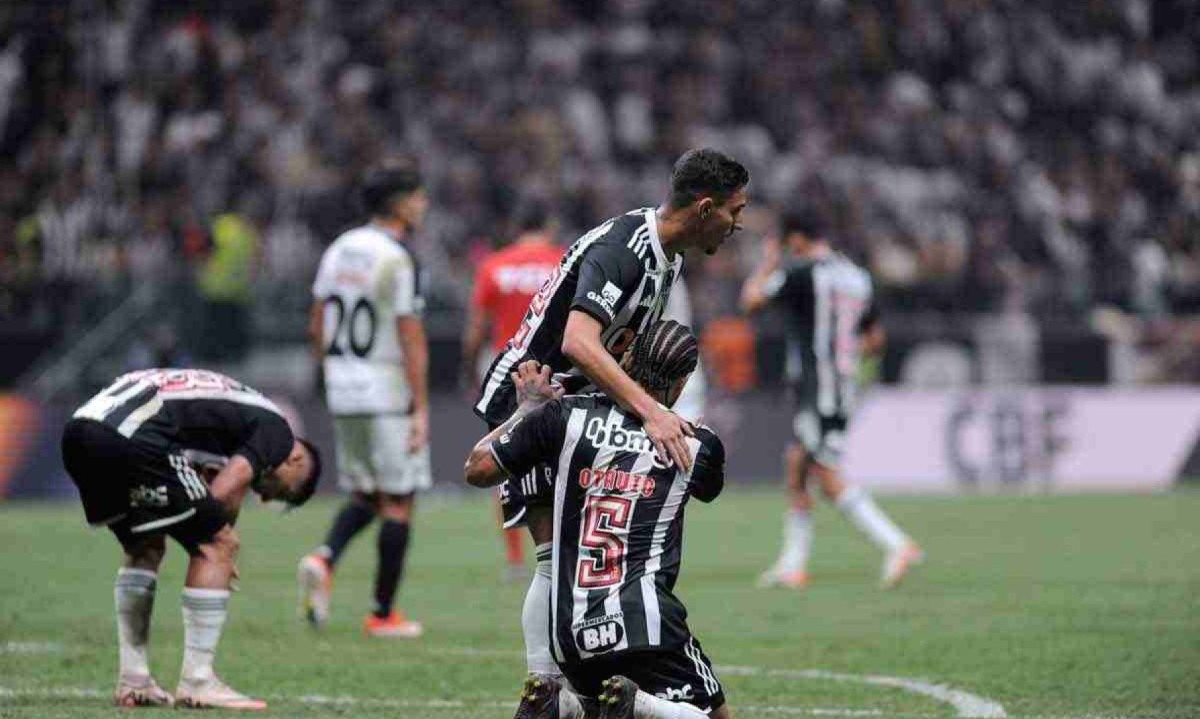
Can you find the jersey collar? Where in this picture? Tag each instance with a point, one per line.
(390, 234)
(652, 222)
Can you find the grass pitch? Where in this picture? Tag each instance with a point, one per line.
(1049, 606)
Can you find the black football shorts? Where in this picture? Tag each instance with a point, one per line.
(138, 491)
(682, 674)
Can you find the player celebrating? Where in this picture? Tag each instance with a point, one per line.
(504, 285)
(134, 451)
(831, 317)
(365, 324)
(611, 285)
(618, 529)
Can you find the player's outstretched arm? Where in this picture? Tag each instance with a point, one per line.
(757, 291)
(581, 344)
(535, 388)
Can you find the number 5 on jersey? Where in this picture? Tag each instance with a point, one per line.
(605, 527)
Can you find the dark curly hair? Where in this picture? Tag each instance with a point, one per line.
(706, 172)
(306, 490)
(380, 184)
(663, 354)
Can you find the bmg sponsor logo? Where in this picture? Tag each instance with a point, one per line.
(614, 436)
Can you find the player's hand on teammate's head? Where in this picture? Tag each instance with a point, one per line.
(669, 432)
(534, 383)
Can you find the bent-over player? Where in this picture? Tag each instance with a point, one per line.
(831, 315)
(137, 451)
(619, 633)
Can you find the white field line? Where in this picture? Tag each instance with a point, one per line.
(30, 648)
(420, 703)
(967, 705)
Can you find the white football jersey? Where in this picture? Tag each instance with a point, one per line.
(366, 279)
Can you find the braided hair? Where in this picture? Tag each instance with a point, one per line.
(663, 354)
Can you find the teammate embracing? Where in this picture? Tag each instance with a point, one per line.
(620, 634)
(610, 287)
(831, 318)
(365, 325)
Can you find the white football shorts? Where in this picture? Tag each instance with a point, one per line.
(373, 456)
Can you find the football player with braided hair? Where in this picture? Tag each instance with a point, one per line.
(618, 632)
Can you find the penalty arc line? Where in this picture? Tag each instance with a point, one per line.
(966, 704)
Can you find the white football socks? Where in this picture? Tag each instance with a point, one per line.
(204, 612)
(797, 541)
(648, 706)
(535, 617)
(133, 593)
(856, 504)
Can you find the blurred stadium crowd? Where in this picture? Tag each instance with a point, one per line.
(980, 155)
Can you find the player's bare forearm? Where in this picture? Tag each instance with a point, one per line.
(471, 344)
(581, 344)
(230, 485)
(316, 331)
(668, 432)
(753, 297)
(411, 333)
(481, 469)
(754, 292)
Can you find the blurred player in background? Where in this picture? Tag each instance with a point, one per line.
(832, 319)
(365, 325)
(504, 285)
(137, 451)
(620, 634)
(611, 286)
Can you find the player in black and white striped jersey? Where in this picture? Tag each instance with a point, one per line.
(138, 451)
(611, 285)
(618, 533)
(832, 319)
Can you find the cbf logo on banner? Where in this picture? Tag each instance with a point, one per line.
(1035, 438)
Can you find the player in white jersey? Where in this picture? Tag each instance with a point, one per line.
(366, 328)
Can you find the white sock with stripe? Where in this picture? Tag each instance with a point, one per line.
(535, 617)
(797, 541)
(648, 706)
(204, 612)
(856, 504)
(133, 593)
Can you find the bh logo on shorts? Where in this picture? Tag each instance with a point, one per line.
(143, 496)
(600, 636)
(682, 694)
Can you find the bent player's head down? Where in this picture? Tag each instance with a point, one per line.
(709, 188)
(295, 480)
(662, 359)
